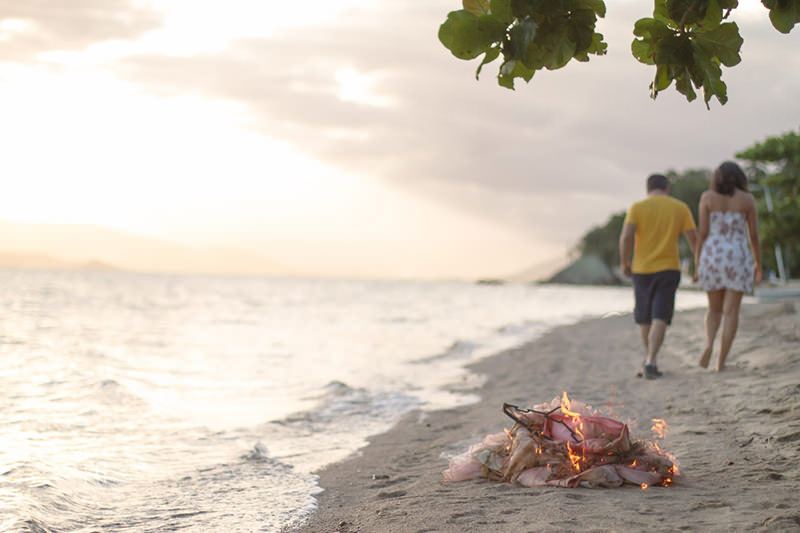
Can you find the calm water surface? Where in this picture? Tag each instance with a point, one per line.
(132, 402)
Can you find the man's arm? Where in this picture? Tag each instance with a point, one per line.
(691, 237)
(626, 247)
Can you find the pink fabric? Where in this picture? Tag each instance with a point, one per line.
(599, 434)
(542, 454)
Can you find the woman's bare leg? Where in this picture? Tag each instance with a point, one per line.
(712, 321)
(730, 323)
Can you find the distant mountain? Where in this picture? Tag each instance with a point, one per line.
(540, 271)
(586, 270)
(36, 245)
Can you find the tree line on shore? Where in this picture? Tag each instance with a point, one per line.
(773, 168)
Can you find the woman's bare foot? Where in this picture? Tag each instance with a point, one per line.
(706, 357)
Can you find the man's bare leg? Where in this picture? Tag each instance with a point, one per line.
(654, 339)
(644, 331)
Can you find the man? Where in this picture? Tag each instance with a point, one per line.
(651, 230)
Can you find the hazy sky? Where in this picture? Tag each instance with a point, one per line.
(342, 137)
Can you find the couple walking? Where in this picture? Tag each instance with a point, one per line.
(724, 266)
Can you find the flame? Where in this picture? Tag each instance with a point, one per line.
(576, 453)
(659, 427)
(576, 418)
(645, 486)
(576, 457)
(565, 402)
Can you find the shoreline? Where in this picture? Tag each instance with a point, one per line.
(736, 435)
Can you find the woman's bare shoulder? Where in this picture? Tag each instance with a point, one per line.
(707, 194)
(744, 197)
(709, 198)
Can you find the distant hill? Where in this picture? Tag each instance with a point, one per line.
(539, 272)
(35, 245)
(586, 270)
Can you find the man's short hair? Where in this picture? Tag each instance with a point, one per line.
(657, 181)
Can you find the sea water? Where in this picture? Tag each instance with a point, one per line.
(135, 402)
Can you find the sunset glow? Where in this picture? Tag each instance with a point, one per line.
(316, 135)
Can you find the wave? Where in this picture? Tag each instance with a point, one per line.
(338, 404)
(460, 349)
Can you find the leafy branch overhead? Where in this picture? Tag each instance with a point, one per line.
(529, 34)
(688, 41)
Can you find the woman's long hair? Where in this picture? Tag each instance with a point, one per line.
(728, 177)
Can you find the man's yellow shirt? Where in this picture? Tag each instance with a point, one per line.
(659, 222)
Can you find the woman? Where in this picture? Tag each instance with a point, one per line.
(726, 269)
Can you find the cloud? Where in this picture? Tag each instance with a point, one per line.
(551, 158)
(30, 27)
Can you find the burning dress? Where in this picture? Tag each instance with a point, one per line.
(564, 444)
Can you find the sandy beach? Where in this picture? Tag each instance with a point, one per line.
(735, 434)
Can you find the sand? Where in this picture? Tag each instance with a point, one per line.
(736, 435)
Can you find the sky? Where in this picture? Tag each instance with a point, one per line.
(341, 138)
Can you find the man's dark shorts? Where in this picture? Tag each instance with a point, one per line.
(655, 296)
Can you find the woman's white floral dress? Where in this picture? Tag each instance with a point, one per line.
(725, 260)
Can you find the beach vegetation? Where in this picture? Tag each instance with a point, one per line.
(687, 41)
(775, 173)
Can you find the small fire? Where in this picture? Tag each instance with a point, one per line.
(645, 486)
(576, 457)
(566, 409)
(576, 454)
(659, 427)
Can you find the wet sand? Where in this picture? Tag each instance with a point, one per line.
(735, 434)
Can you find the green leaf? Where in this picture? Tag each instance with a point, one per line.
(783, 14)
(476, 7)
(675, 49)
(661, 14)
(560, 51)
(652, 32)
(552, 47)
(513, 69)
(652, 29)
(643, 51)
(683, 84)
(723, 42)
(581, 28)
(467, 36)
(708, 74)
(502, 10)
(663, 78)
(521, 35)
(598, 6)
(720, 90)
(488, 57)
(713, 16)
(598, 47)
(687, 12)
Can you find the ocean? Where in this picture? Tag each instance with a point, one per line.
(151, 403)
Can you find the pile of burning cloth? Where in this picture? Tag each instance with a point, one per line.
(564, 444)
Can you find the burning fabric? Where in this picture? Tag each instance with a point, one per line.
(564, 444)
